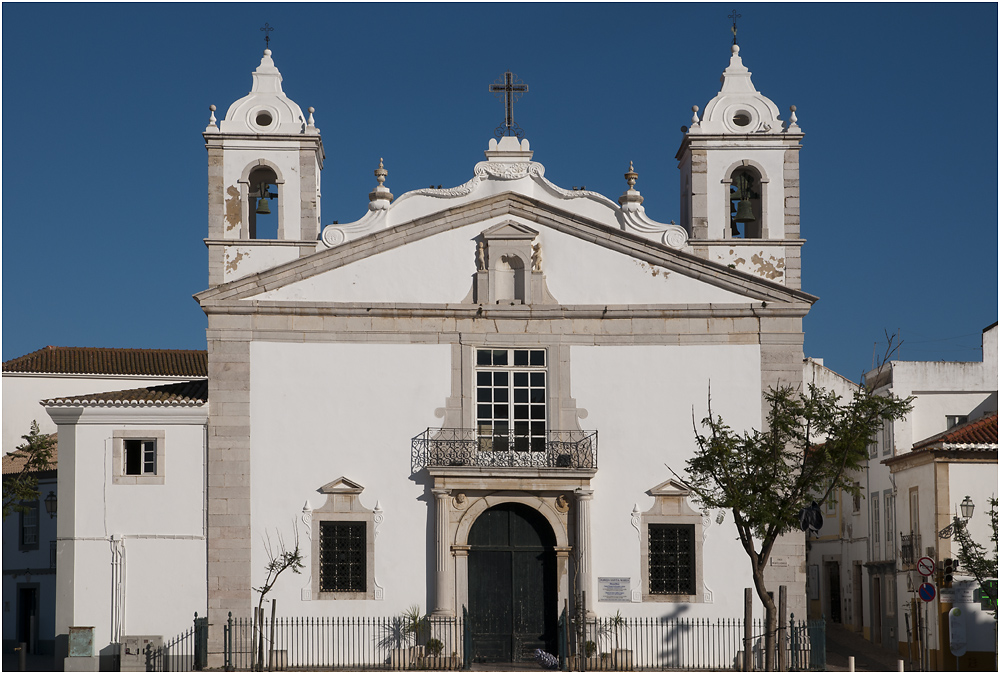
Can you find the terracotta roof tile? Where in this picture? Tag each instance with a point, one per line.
(12, 463)
(982, 431)
(185, 393)
(88, 360)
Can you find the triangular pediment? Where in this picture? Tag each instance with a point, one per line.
(341, 486)
(380, 257)
(510, 230)
(671, 487)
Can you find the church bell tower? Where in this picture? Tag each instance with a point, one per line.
(264, 163)
(739, 172)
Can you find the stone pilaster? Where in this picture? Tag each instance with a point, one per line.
(228, 478)
(444, 577)
(583, 555)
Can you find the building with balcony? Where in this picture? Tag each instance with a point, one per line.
(415, 399)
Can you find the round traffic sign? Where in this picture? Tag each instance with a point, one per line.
(925, 566)
(927, 591)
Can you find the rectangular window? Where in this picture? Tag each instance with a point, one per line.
(955, 419)
(890, 526)
(29, 527)
(876, 527)
(510, 400)
(343, 557)
(887, 440)
(140, 457)
(671, 559)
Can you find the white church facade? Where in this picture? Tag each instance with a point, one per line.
(464, 400)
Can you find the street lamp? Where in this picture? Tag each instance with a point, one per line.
(50, 504)
(967, 507)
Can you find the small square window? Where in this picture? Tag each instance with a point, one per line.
(139, 457)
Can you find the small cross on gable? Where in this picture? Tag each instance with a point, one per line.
(511, 88)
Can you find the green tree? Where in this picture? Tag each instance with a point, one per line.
(36, 451)
(768, 478)
(973, 558)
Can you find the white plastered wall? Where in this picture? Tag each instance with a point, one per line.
(322, 411)
(160, 528)
(641, 400)
(440, 269)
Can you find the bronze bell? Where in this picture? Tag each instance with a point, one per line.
(264, 209)
(744, 211)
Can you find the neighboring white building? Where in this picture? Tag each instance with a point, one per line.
(29, 579)
(867, 549)
(420, 393)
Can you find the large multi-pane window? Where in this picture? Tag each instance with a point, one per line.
(671, 559)
(343, 561)
(510, 399)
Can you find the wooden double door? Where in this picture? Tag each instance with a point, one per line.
(513, 596)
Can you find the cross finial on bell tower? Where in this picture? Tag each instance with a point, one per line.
(267, 38)
(734, 16)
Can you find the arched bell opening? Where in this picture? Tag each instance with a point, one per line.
(263, 196)
(513, 591)
(745, 204)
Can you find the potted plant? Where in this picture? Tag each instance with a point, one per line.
(621, 659)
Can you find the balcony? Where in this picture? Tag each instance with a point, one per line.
(909, 549)
(442, 447)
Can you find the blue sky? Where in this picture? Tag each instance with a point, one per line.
(104, 167)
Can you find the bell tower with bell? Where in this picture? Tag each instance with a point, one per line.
(264, 163)
(739, 171)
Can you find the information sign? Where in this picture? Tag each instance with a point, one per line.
(927, 591)
(925, 566)
(614, 589)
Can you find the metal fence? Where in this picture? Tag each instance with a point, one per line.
(626, 644)
(186, 652)
(376, 643)
(430, 643)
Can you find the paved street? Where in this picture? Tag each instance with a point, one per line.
(841, 643)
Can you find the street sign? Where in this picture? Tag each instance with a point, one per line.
(925, 566)
(927, 591)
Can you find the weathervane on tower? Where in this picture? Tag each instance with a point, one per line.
(512, 89)
(267, 38)
(734, 16)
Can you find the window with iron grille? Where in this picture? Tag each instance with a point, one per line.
(671, 559)
(510, 399)
(343, 564)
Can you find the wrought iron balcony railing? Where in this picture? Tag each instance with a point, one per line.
(909, 549)
(438, 447)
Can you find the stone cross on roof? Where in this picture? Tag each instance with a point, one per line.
(512, 88)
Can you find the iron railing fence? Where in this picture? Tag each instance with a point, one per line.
(187, 652)
(467, 447)
(345, 643)
(626, 644)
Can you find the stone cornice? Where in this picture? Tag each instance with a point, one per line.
(798, 243)
(923, 457)
(507, 204)
(173, 416)
(514, 312)
(260, 242)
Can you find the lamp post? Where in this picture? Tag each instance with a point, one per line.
(967, 507)
(51, 503)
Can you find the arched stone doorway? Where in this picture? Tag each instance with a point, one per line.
(512, 584)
